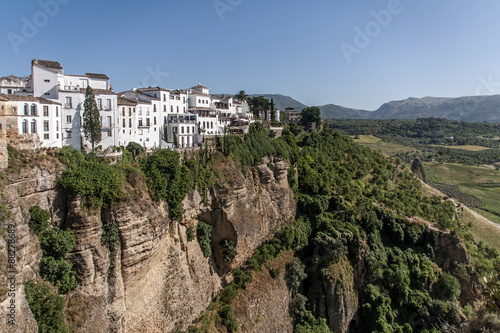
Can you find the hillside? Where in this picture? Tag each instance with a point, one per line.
(332, 111)
(314, 233)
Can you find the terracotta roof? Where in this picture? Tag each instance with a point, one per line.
(97, 76)
(199, 86)
(99, 91)
(126, 101)
(47, 63)
(153, 89)
(139, 93)
(13, 78)
(47, 101)
(18, 98)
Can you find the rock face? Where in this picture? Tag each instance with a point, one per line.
(158, 281)
(417, 167)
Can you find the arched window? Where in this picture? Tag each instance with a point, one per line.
(33, 109)
(25, 126)
(26, 110)
(33, 126)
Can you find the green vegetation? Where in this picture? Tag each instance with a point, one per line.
(91, 118)
(55, 244)
(311, 115)
(46, 307)
(91, 178)
(167, 179)
(204, 234)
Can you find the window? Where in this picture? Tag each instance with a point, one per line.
(147, 112)
(164, 97)
(46, 136)
(69, 103)
(57, 111)
(99, 103)
(9, 91)
(154, 120)
(177, 109)
(110, 124)
(130, 123)
(33, 109)
(46, 80)
(165, 119)
(110, 133)
(124, 122)
(154, 110)
(46, 126)
(184, 110)
(199, 101)
(183, 99)
(140, 111)
(140, 122)
(68, 119)
(147, 122)
(26, 110)
(57, 127)
(187, 129)
(68, 134)
(164, 108)
(108, 104)
(45, 111)
(25, 126)
(123, 111)
(182, 130)
(57, 136)
(33, 126)
(171, 108)
(47, 94)
(130, 112)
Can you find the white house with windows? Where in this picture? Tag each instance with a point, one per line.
(11, 85)
(148, 126)
(49, 81)
(32, 118)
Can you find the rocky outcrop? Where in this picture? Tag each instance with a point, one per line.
(158, 281)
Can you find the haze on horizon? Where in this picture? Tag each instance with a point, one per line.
(357, 55)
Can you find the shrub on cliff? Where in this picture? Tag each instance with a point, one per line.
(90, 178)
(167, 179)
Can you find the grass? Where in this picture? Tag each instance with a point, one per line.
(466, 147)
(387, 148)
(481, 230)
(466, 176)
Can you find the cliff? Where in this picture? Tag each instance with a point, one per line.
(158, 281)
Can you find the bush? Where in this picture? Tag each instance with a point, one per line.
(447, 287)
(47, 308)
(204, 235)
(57, 243)
(39, 220)
(229, 252)
(190, 233)
(227, 316)
(59, 273)
(167, 179)
(295, 273)
(90, 178)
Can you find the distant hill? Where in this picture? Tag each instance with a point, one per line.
(472, 108)
(281, 102)
(333, 111)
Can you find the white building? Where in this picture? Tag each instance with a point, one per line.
(49, 81)
(11, 85)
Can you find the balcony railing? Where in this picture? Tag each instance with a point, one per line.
(68, 106)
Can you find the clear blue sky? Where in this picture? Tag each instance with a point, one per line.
(444, 48)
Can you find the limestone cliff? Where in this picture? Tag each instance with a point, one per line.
(158, 281)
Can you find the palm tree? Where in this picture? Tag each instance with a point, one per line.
(241, 95)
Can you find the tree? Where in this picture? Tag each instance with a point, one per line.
(311, 115)
(242, 95)
(258, 104)
(91, 118)
(273, 112)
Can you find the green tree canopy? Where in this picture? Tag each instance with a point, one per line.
(311, 115)
(258, 104)
(91, 118)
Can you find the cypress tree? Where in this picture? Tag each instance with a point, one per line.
(91, 118)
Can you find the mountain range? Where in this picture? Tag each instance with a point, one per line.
(470, 108)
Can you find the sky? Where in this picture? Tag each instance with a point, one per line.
(358, 54)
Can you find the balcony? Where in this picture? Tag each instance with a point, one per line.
(68, 106)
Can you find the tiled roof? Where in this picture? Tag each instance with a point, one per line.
(18, 98)
(126, 101)
(153, 89)
(97, 76)
(139, 94)
(47, 101)
(13, 78)
(99, 91)
(47, 63)
(199, 86)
